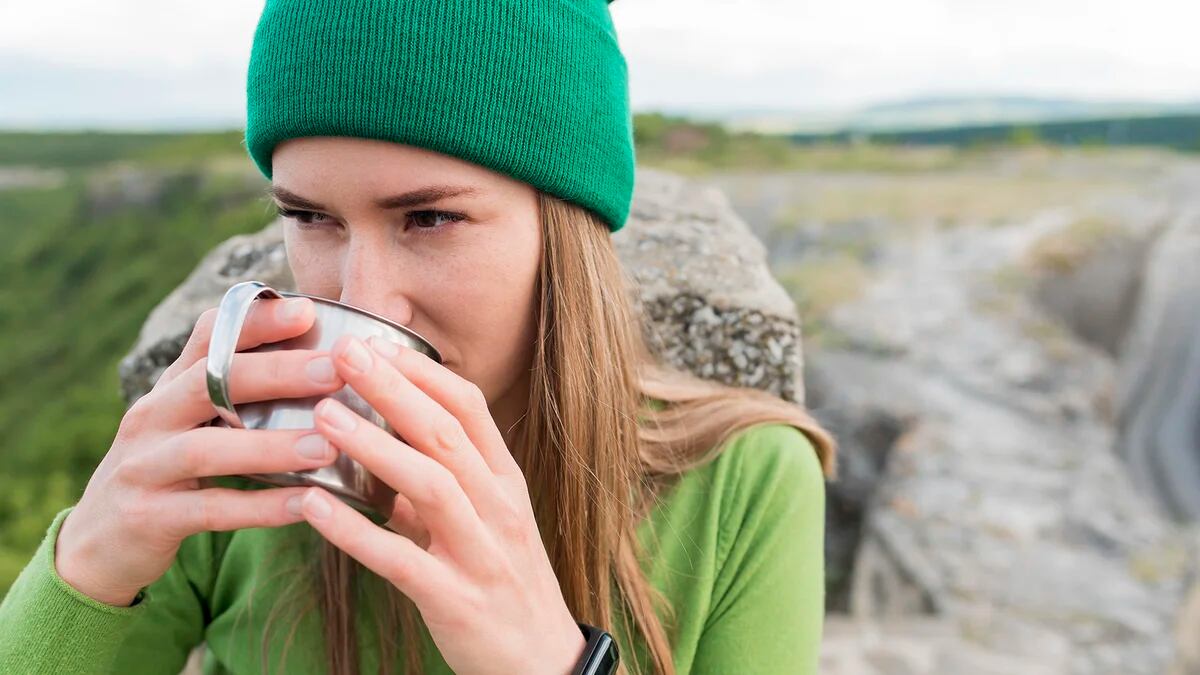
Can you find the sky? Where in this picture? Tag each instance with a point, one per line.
(150, 63)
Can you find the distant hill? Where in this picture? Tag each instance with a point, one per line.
(935, 112)
(1178, 132)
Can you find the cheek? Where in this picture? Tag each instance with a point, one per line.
(314, 268)
(486, 303)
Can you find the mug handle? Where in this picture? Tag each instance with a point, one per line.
(231, 315)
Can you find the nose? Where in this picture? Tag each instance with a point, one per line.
(373, 279)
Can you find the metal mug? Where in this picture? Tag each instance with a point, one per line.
(345, 478)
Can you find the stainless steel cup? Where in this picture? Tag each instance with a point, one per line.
(346, 478)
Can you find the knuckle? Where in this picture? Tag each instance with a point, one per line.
(204, 324)
(194, 458)
(439, 490)
(131, 471)
(476, 402)
(284, 365)
(400, 571)
(201, 331)
(196, 379)
(512, 523)
(196, 343)
(136, 418)
(133, 510)
(448, 436)
(204, 511)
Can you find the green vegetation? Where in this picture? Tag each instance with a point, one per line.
(84, 261)
(85, 149)
(1176, 132)
(692, 148)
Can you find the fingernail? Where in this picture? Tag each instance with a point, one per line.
(294, 505)
(317, 506)
(312, 446)
(338, 415)
(356, 356)
(320, 370)
(385, 347)
(292, 309)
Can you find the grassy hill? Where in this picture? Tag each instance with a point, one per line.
(88, 251)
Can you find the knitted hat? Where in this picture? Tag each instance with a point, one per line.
(534, 89)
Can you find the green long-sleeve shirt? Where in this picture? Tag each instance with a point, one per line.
(739, 555)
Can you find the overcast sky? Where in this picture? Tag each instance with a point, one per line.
(138, 62)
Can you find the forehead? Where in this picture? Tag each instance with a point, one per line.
(321, 162)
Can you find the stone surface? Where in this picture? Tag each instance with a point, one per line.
(1003, 514)
(1158, 397)
(920, 646)
(254, 256)
(702, 280)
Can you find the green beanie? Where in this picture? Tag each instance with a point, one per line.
(534, 89)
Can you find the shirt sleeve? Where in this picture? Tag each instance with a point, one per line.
(769, 592)
(46, 625)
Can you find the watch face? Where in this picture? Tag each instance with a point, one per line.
(600, 656)
(608, 655)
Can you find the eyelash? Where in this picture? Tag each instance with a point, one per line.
(299, 215)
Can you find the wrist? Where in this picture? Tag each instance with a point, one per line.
(71, 564)
(572, 650)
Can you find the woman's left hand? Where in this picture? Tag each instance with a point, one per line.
(481, 577)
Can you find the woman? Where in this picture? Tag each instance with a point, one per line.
(457, 167)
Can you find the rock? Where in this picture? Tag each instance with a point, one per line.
(918, 646)
(254, 256)
(1096, 297)
(1158, 397)
(697, 273)
(702, 281)
(866, 435)
(1003, 510)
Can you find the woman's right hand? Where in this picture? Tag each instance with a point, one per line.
(145, 496)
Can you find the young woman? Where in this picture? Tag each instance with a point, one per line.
(457, 167)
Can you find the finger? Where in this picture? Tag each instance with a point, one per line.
(461, 397)
(433, 491)
(416, 572)
(255, 376)
(223, 509)
(269, 320)
(405, 521)
(419, 420)
(219, 451)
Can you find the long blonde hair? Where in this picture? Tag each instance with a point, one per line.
(594, 454)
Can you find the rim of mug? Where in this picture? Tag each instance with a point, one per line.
(437, 356)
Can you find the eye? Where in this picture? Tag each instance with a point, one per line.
(308, 218)
(427, 221)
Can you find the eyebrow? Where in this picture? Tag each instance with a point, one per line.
(426, 195)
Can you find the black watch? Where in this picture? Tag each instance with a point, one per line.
(600, 655)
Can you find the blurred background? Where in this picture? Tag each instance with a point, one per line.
(987, 216)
